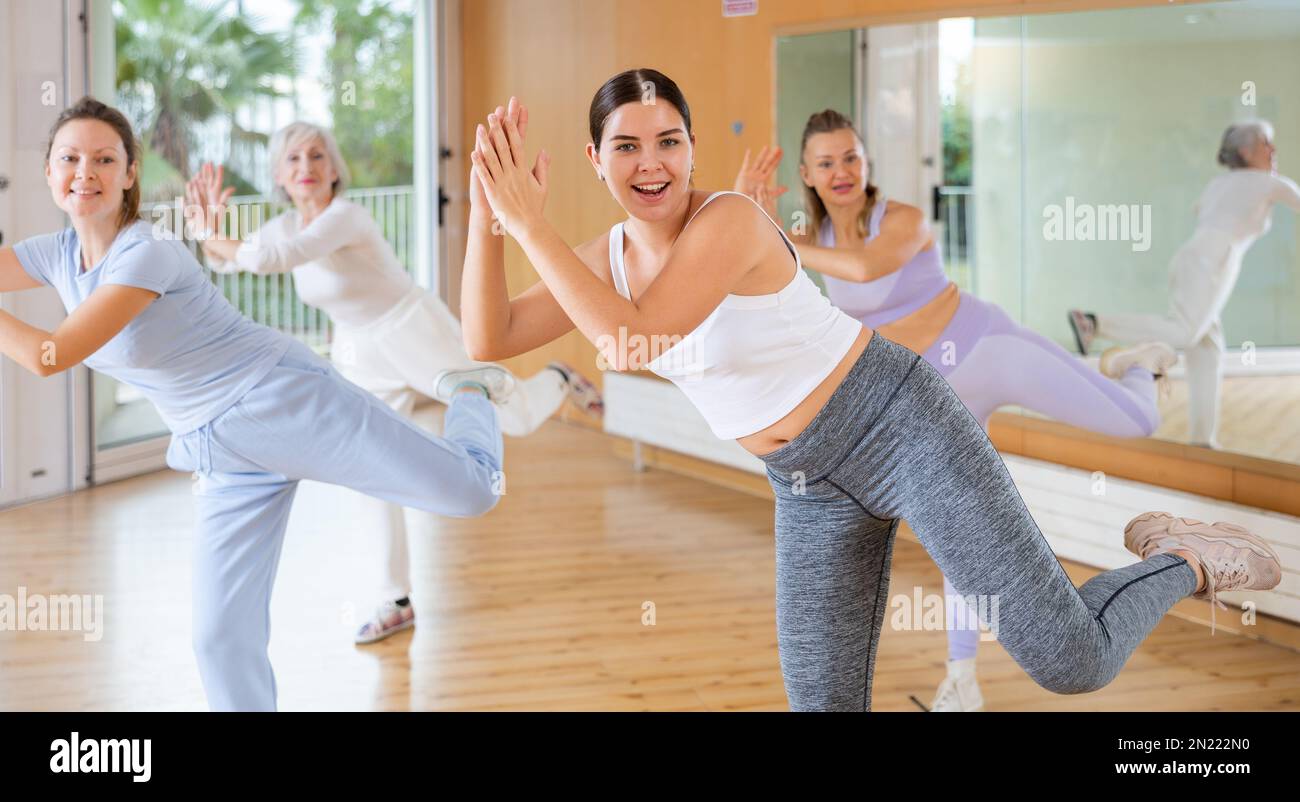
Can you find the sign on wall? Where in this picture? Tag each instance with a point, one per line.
(739, 8)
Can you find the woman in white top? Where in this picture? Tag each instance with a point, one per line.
(1234, 210)
(857, 432)
(391, 336)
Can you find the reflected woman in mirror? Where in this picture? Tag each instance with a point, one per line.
(1233, 211)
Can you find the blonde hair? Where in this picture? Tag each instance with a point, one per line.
(297, 132)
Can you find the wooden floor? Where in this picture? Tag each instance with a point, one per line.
(537, 606)
(1256, 416)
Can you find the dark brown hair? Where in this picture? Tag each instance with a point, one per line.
(90, 109)
(825, 122)
(632, 86)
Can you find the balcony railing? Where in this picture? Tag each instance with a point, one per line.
(956, 211)
(271, 300)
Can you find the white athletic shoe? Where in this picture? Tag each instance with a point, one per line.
(498, 382)
(1156, 357)
(390, 619)
(959, 692)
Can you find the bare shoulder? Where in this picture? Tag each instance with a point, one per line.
(731, 212)
(902, 217)
(898, 209)
(734, 203)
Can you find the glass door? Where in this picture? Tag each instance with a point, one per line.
(212, 82)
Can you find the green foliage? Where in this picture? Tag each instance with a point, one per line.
(371, 80)
(181, 62)
(956, 121)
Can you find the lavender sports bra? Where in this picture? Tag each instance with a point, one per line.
(888, 298)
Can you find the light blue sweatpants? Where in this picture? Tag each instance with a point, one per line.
(304, 421)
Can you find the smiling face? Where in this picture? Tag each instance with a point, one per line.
(1261, 156)
(645, 155)
(87, 170)
(305, 171)
(834, 164)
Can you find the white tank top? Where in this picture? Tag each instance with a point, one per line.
(756, 357)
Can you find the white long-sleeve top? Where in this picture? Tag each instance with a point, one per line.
(341, 262)
(1240, 202)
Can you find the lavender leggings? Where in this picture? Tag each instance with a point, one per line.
(990, 361)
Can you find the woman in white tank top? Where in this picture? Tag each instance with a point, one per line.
(857, 432)
(391, 336)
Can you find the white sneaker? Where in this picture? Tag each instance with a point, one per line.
(1156, 357)
(498, 382)
(390, 619)
(959, 692)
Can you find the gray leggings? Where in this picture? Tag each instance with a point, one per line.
(894, 442)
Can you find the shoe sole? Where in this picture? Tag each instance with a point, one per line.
(1078, 338)
(1107, 363)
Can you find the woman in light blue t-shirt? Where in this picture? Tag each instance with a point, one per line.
(251, 410)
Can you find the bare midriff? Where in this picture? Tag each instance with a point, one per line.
(765, 441)
(919, 330)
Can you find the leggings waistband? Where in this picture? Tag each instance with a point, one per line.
(865, 393)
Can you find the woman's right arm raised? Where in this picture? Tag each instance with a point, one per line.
(12, 275)
(494, 325)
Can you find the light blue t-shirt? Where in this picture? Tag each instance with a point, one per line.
(189, 352)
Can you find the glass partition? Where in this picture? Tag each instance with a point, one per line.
(204, 82)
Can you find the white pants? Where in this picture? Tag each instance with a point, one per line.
(1201, 279)
(396, 358)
